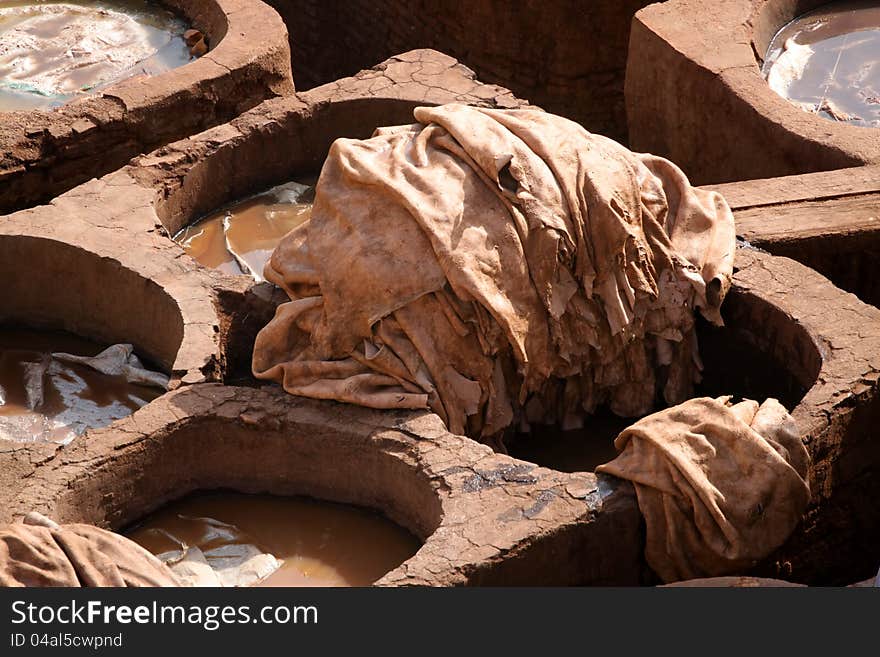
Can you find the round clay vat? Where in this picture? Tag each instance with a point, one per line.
(695, 94)
(288, 137)
(54, 285)
(760, 352)
(802, 322)
(835, 542)
(786, 328)
(48, 152)
(250, 453)
(65, 269)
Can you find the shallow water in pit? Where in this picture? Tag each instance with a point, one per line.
(52, 52)
(828, 62)
(75, 397)
(240, 238)
(577, 450)
(320, 543)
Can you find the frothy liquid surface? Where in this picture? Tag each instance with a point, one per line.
(240, 238)
(53, 52)
(828, 62)
(74, 397)
(320, 543)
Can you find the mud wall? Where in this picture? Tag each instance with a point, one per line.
(565, 56)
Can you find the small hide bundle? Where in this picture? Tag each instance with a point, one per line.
(47, 554)
(720, 486)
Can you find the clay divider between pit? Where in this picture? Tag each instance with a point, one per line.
(695, 94)
(92, 264)
(45, 153)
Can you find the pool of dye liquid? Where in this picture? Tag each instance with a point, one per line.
(828, 62)
(54, 51)
(319, 543)
(43, 399)
(240, 238)
(577, 450)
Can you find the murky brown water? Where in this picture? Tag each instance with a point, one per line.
(240, 238)
(828, 62)
(54, 51)
(74, 397)
(320, 543)
(580, 450)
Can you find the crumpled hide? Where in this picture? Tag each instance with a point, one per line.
(720, 485)
(497, 266)
(118, 360)
(81, 413)
(223, 556)
(46, 554)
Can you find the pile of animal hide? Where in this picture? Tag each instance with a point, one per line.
(497, 266)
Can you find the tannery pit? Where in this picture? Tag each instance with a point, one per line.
(408, 328)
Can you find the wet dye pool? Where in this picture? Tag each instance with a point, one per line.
(575, 450)
(49, 399)
(828, 62)
(52, 52)
(266, 540)
(240, 238)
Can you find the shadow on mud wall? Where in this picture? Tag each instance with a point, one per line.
(566, 56)
(840, 543)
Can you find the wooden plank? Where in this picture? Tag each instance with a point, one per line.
(806, 187)
(841, 216)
